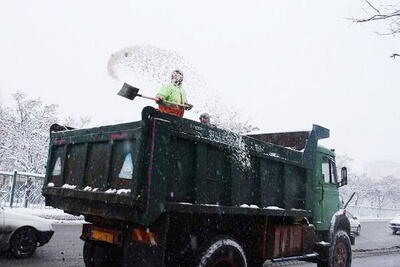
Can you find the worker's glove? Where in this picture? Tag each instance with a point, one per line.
(159, 100)
(188, 106)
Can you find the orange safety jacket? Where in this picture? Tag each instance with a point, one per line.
(176, 111)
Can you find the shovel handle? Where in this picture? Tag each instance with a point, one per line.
(165, 101)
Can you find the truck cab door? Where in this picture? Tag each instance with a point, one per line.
(330, 202)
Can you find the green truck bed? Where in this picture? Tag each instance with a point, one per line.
(137, 171)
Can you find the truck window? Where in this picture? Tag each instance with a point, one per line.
(333, 171)
(329, 170)
(326, 170)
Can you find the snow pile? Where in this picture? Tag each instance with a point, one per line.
(273, 155)
(87, 188)
(117, 191)
(123, 191)
(68, 186)
(111, 191)
(185, 203)
(51, 185)
(56, 215)
(293, 209)
(273, 208)
(249, 206)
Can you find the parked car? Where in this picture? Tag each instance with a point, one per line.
(21, 234)
(395, 224)
(355, 224)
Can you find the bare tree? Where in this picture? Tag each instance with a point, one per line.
(388, 11)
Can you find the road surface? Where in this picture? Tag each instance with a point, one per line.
(65, 249)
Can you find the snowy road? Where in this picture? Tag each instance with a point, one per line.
(65, 248)
(374, 235)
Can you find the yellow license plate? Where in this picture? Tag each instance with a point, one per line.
(103, 236)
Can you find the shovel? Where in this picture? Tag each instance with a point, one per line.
(130, 92)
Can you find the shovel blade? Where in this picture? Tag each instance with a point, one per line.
(128, 91)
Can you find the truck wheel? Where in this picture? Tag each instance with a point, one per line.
(88, 254)
(358, 230)
(394, 231)
(99, 256)
(224, 252)
(340, 251)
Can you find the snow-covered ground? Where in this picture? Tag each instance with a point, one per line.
(55, 215)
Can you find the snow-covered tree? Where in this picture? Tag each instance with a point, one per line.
(24, 134)
(378, 192)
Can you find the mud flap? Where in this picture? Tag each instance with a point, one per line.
(352, 239)
(140, 254)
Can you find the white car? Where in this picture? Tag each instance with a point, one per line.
(21, 234)
(355, 225)
(395, 224)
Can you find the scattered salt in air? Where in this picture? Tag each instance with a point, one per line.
(50, 185)
(149, 67)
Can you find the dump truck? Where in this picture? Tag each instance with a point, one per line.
(168, 191)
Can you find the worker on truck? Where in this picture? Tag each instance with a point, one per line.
(174, 93)
(205, 119)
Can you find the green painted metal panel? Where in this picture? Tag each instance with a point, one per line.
(176, 160)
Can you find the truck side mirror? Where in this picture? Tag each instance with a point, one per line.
(344, 176)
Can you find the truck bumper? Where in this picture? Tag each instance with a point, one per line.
(78, 202)
(145, 251)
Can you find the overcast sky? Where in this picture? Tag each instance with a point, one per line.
(285, 64)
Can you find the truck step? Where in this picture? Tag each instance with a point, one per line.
(302, 257)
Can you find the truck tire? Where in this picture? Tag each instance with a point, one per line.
(99, 256)
(224, 252)
(340, 252)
